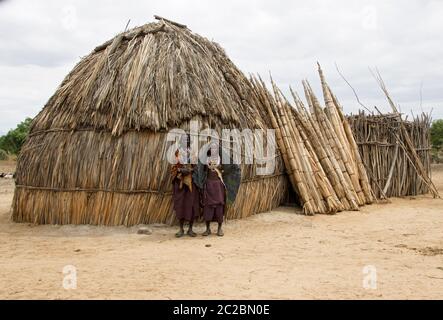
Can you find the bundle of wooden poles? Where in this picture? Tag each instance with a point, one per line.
(381, 144)
(320, 154)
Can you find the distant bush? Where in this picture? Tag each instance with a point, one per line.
(3, 155)
(436, 156)
(13, 140)
(437, 134)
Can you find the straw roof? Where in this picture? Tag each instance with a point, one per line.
(151, 77)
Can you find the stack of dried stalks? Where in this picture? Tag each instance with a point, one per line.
(405, 141)
(318, 148)
(389, 166)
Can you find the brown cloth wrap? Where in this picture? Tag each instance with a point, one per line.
(186, 200)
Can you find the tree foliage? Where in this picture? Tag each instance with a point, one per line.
(3, 155)
(437, 134)
(13, 140)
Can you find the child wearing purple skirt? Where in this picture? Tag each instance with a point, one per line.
(214, 194)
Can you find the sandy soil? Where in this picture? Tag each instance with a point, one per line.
(274, 255)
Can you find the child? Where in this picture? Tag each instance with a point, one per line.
(185, 193)
(214, 192)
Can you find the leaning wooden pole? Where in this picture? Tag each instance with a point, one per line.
(362, 174)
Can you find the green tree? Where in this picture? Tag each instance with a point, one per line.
(13, 140)
(437, 134)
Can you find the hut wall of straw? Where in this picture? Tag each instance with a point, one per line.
(89, 177)
(388, 165)
(96, 152)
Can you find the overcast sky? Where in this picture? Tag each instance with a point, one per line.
(41, 41)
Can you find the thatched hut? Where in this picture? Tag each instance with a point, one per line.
(94, 154)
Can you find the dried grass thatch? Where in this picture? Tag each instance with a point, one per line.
(95, 153)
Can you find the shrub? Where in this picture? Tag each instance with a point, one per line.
(437, 134)
(3, 155)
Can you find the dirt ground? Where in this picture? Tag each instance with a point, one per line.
(274, 255)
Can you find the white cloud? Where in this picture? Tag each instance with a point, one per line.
(40, 41)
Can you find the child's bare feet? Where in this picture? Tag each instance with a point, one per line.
(180, 233)
(191, 233)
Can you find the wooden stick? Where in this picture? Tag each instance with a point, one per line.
(171, 22)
